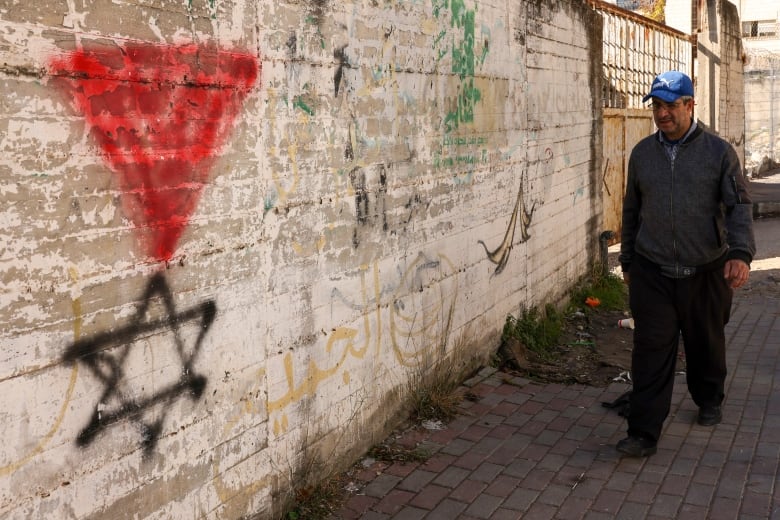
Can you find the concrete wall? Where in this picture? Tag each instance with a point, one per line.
(678, 14)
(762, 111)
(235, 234)
(762, 89)
(750, 10)
(719, 84)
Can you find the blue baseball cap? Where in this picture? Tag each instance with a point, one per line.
(669, 86)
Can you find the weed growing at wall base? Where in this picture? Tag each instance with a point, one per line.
(608, 288)
(434, 396)
(313, 503)
(537, 331)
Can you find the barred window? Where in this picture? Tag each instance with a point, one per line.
(759, 28)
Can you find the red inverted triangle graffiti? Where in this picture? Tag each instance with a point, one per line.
(160, 115)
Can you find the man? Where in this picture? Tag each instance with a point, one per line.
(687, 243)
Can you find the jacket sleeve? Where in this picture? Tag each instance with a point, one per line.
(739, 209)
(632, 202)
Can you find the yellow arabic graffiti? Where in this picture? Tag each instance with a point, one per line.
(41, 444)
(417, 325)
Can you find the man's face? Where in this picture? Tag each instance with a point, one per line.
(673, 119)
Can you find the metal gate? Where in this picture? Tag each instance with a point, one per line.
(635, 50)
(623, 128)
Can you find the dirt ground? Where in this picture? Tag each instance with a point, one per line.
(593, 351)
(596, 352)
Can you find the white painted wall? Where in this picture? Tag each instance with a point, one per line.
(757, 9)
(719, 82)
(678, 15)
(333, 253)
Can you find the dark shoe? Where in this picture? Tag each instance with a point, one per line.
(635, 446)
(709, 415)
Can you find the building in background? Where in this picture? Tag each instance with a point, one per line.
(759, 29)
(760, 24)
(760, 21)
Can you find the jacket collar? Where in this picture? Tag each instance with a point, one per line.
(693, 132)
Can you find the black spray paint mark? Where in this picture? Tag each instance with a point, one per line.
(292, 45)
(358, 179)
(105, 355)
(500, 255)
(382, 195)
(414, 205)
(370, 203)
(349, 153)
(341, 56)
(317, 9)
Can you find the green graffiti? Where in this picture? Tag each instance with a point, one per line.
(269, 201)
(462, 178)
(486, 38)
(298, 102)
(438, 5)
(467, 160)
(464, 141)
(464, 111)
(315, 21)
(464, 60)
(463, 53)
(377, 73)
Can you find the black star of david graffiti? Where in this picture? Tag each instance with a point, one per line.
(105, 355)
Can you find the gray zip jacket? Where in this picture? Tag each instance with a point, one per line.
(689, 213)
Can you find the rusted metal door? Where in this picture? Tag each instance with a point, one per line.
(623, 128)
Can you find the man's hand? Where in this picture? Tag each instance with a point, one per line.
(626, 277)
(736, 273)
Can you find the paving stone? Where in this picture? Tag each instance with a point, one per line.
(537, 451)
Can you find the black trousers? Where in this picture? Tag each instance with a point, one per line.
(664, 308)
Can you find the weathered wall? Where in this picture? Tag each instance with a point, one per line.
(679, 14)
(762, 111)
(720, 89)
(234, 233)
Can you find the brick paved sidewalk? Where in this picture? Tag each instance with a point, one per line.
(523, 450)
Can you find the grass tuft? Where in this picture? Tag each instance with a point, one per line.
(537, 331)
(398, 453)
(317, 502)
(435, 399)
(609, 289)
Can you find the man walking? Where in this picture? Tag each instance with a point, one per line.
(687, 243)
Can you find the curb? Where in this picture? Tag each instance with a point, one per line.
(766, 209)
